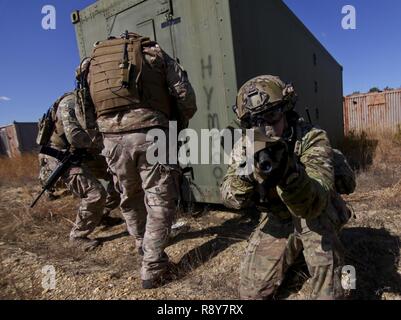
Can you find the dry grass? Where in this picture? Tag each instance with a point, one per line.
(376, 158)
(206, 259)
(373, 239)
(18, 219)
(20, 170)
(367, 151)
(19, 185)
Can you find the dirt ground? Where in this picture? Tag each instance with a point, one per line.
(205, 259)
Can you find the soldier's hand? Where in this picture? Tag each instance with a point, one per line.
(271, 164)
(291, 171)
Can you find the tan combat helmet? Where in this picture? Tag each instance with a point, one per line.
(264, 94)
(82, 69)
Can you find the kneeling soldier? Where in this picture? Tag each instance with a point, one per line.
(293, 184)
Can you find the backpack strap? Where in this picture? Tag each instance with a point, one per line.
(137, 47)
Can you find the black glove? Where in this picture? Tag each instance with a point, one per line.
(271, 164)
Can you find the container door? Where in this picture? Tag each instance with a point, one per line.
(147, 18)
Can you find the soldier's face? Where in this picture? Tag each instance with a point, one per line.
(276, 124)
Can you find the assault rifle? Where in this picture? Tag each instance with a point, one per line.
(67, 160)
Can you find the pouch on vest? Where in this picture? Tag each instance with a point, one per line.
(339, 212)
(45, 129)
(345, 181)
(47, 124)
(120, 79)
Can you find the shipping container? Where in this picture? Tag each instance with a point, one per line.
(373, 112)
(18, 138)
(222, 44)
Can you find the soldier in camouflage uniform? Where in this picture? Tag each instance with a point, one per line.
(294, 190)
(82, 180)
(149, 192)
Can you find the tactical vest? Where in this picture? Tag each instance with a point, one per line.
(120, 78)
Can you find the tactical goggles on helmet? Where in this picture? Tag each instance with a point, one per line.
(270, 117)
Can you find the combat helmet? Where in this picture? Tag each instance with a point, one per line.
(82, 70)
(261, 95)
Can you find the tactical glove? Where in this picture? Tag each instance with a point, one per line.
(271, 164)
(291, 172)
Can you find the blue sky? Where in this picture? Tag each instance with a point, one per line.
(36, 66)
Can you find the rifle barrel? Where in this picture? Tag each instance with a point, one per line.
(37, 198)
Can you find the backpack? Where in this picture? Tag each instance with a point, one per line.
(120, 79)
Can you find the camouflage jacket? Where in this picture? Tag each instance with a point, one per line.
(75, 127)
(307, 196)
(71, 126)
(179, 87)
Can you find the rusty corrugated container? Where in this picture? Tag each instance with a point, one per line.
(18, 138)
(373, 112)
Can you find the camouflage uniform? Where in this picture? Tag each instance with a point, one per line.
(47, 165)
(98, 167)
(299, 217)
(82, 180)
(149, 193)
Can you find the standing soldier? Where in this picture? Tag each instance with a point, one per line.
(135, 86)
(70, 132)
(293, 184)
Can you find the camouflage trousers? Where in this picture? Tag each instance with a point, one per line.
(83, 184)
(149, 195)
(274, 247)
(112, 198)
(98, 167)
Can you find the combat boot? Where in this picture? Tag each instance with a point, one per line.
(153, 283)
(108, 221)
(85, 243)
(179, 227)
(170, 274)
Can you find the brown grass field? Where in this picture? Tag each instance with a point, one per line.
(206, 258)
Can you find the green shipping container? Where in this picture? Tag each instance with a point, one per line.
(222, 44)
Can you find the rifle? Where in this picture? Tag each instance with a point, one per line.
(67, 160)
(271, 156)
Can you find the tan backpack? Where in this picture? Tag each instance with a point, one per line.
(120, 79)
